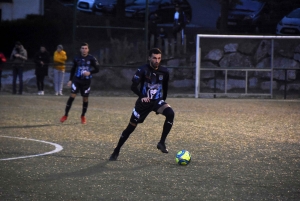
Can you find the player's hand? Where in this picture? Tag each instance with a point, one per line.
(69, 83)
(145, 99)
(86, 73)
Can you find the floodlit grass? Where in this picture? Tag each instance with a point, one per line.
(241, 150)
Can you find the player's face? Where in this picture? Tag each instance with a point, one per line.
(155, 60)
(84, 50)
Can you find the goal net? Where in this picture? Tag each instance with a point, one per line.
(244, 64)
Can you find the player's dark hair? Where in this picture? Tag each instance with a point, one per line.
(154, 51)
(84, 44)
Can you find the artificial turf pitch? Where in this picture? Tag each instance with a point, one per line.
(242, 149)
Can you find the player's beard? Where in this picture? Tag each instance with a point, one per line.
(154, 65)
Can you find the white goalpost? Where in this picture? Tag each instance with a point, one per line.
(199, 69)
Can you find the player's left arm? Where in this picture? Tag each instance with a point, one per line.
(72, 73)
(165, 85)
(95, 65)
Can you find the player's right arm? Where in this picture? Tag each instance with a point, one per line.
(72, 73)
(136, 80)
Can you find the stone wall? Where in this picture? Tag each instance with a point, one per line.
(108, 80)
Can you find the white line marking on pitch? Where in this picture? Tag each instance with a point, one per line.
(58, 148)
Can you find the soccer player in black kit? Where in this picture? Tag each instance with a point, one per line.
(152, 93)
(80, 80)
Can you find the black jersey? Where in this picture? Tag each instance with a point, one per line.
(153, 83)
(82, 64)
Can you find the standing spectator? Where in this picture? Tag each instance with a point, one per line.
(162, 35)
(18, 57)
(60, 58)
(152, 28)
(2, 60)
(179, 22)
(41, 59)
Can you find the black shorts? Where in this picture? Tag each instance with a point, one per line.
(84, 86)
(142, 109)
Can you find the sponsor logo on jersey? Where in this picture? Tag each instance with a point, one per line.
(161, 77)
(88, 62)
(152, 90)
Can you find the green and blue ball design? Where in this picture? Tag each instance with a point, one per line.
(183, 157)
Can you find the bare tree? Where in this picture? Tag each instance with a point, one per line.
(225, 5)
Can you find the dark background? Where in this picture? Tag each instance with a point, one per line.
(56, 27)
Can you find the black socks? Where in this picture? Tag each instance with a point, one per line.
(124, 136)
(69, 105)
(169, 113)
(84, 108)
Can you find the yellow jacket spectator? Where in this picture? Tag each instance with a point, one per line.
(59, 58)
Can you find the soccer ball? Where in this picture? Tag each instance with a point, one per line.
(183, 157)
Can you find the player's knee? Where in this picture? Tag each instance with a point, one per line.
(169, 113)
(133, 124)
(85, 99)
(130, 128)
